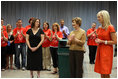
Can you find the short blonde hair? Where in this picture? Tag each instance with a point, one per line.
(57, 25)
(78, 20)
(106, 17)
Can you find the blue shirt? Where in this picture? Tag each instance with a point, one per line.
(65, 29)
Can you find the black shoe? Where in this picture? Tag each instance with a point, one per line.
(32, 76)
(115, 55)
(54, 72)
(38, 77)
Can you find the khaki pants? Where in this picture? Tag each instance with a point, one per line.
(46, 58)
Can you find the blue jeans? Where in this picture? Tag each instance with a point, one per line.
(20, 48)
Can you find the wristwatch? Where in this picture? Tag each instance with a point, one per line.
(105, 42)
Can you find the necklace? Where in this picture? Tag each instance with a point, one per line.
(9, 34)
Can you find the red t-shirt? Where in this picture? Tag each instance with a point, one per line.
(4, 43)
(91, 39)
(54, 42)
(46, 42)
(4, 28)
(19, 38)
(27, 27)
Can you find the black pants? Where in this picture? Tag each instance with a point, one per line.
(3, 57)
(92, 53)
(76, 64)
(54, 56)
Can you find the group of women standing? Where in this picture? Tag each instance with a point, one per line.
(43, 44)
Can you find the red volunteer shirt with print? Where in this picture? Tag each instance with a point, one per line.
(91, 39)
(19, 38)
(27, 27)
(4, 43)
(4, 28)
(46, 42)
(54, 42)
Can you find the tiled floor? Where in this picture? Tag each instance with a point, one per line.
(88, 71)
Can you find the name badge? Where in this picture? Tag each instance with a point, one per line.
(18, 46)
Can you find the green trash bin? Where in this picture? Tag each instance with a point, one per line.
(63, 58)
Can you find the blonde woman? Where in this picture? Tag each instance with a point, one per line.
(106, 39)
(10, 47)
(76, 40)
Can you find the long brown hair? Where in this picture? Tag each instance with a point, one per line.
(47, 24)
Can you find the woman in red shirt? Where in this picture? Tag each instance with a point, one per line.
(10, 47)
(45, 47)
(29, 26)
(4, 39)
(106, 39)
(56, 35)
